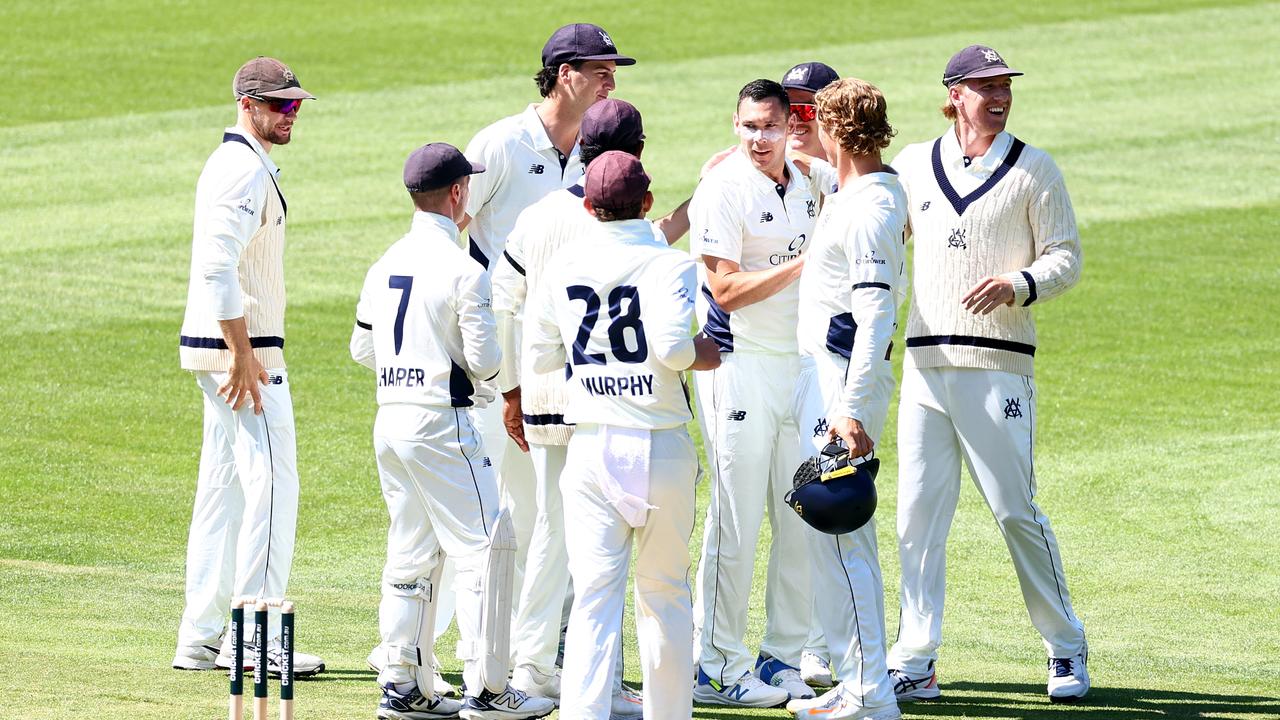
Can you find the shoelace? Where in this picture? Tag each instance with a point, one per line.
(1061, 667)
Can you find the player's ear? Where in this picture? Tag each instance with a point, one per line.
(591, 210)
(647, 204)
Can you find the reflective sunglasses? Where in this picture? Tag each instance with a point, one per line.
(765, 134)
(279, 105)
(804, 112)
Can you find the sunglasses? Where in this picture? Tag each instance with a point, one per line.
(804, 112)
(279, 105)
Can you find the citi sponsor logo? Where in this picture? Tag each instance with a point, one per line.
(794, 248)
(631, 385)
(737, 415)
(536, 169)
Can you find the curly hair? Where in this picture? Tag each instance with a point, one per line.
(547, 76)
(855, 114)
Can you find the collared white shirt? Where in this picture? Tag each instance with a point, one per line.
(425, 319)
(614, 315)
(740, 214)
(854, 281)
(521, 166)
(966, 178)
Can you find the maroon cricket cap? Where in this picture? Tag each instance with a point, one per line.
(612, 124)
(616, 180)
(811, 76)
(975, 61)
(581, 41)
(264, 77)
(437, 165)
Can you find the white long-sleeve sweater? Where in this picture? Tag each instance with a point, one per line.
(1006, 213)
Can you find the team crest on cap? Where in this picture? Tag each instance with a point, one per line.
(605, 37)
(797, 74)
(288, 75)
(991, 55)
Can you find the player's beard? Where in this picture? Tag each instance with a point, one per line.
(270, 130)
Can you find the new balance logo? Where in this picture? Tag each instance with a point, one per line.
(1012, 408)
(736, 692)
(821, 428)
(737, 415)
(537, 169)
(766, 217)
(275, 379)
(957, 239)
(486, 462)
(279, 220)
(924, 206)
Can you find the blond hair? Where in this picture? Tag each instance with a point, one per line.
(855, 114)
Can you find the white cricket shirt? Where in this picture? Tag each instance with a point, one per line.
(614, 315)
(521, 165)
(853, 282)
(740, 214)
(425, 319)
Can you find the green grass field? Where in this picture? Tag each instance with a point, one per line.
(1159, 437)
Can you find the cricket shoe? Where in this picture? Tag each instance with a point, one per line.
(413, 705)
(773, 671)
(1069, 677)
(304, 664)
(842, 706)
(815, 669)
(376, 662)
(536, 684)
(796, 705)
(748, 691)
(919, 687)
(195, 657)
(510, 704)
(626, 704)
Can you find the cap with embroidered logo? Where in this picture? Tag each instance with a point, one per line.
(616, 180)
(811, 76)
(265, 77)
(975, 61)
(437, 165)
(581, 41)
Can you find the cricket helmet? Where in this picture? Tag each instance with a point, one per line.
(833, 494)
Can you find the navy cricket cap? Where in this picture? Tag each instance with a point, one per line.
(437, 165)
(264, 77)
(975, 61)
(581, 41)
(616, 180)
(811, 76)
(612, 124)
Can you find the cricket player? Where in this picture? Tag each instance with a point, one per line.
(614, 315)
(752, 218)
(995, 234)
(425, 326)
(232, 341)
(534, 404)
(527, 156)
(852, 285)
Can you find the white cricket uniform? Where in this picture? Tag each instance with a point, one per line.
(425, 325)
(739, 214)
(967, 388)
(852, 285)
(246, 505)
(614, 315)
(540, 232)
(522, 165)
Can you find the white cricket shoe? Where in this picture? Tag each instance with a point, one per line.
(304, 664)
(626, 704)
(510, 704)
(842, 706)
(531, 682)
(1069, 677)
(815, 669)
(796, 705)
(197, 657)
(413, 705)
(439, 685)
(748, 691)
(918, 687)
(773, 671)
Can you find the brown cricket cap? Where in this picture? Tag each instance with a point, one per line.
(616, 180)
(613, 124)
(264, 77)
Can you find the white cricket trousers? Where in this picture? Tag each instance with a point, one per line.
(848, 589)
(986, 417)
(517, 484)
(443, 500)
(755, 448)
(536, 634)
(599, 544)
(246, 508)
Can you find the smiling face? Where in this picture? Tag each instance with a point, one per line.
(983, 104)
(269, 125)
(762, 130)
(802, 134)
(589, 83)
